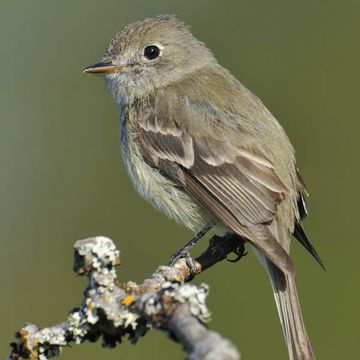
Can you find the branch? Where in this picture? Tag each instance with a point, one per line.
(112, 310)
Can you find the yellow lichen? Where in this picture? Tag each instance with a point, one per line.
(128, 300)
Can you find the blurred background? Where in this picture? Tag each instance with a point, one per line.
(62, 177)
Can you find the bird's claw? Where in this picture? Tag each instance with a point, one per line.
(239, 252)
(189, 261)
(176, 257)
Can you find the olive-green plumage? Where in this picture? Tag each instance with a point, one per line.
(203, 149)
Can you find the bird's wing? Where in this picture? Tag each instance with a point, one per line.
(237, 184)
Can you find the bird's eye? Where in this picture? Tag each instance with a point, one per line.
(151, 52)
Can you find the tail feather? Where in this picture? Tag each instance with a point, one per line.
(288, 306)
(287, 303)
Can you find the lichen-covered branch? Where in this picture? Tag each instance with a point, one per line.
(110, 310)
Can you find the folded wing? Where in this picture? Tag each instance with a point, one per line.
(237, 184)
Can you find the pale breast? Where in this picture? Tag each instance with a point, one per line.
(156, 189)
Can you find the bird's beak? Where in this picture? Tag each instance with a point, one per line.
(104, 67)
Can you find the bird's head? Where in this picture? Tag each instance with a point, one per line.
(149, 54)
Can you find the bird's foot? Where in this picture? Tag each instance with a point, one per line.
(184, 254)
(239, 251)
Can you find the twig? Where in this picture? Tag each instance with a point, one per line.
(112, 310)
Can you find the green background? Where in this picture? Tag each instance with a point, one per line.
(62, 176)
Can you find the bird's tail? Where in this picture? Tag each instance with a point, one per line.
(288, 306)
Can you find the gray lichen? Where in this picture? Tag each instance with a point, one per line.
(153, 303)
(111, 311)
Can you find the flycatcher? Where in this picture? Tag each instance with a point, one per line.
(203, 149)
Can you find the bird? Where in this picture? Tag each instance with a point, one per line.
(203, 149)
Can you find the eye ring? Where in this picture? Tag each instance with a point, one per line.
(152, 52)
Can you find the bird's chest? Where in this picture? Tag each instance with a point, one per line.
(158, 190)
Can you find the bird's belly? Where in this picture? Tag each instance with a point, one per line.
(159, 191)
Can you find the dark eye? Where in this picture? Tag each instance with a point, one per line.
(151, 52)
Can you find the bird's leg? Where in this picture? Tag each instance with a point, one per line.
(184, 251)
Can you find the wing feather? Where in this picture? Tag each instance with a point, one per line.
(236, 183)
